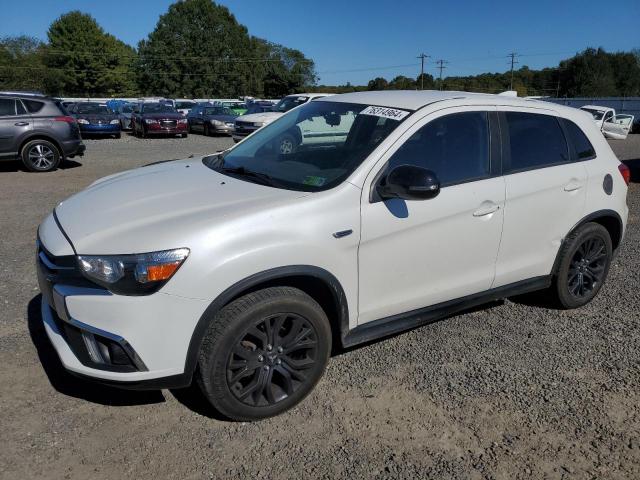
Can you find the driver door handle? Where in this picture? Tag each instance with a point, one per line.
(21, 124)
(572, 186)
(486, 208)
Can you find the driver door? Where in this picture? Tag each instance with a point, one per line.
(618, 127)
(418, 253)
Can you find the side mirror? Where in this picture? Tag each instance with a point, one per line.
(409, 182)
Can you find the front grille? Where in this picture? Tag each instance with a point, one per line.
(97, 121)
(168, 123)
(240, 123)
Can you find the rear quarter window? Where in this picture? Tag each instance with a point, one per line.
(33, 105)
(582, 148)
(535, 141)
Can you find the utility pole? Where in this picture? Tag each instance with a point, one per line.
(422, 58)
(513, 56)
(441, 66)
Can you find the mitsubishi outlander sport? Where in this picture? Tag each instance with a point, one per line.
(243, 270)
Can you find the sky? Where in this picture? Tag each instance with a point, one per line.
(355, 40)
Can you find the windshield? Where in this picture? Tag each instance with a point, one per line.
(312, 148)
(185, 104)
(217, 111)
(287, 103)
(257, 108)
(92, 108)
(127, 108)
(597, 114)
(157, 108)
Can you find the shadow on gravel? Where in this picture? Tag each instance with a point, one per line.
(634, 166)
(76, 387)
(17, 166)
(192, 398)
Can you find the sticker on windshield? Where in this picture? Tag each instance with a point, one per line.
(314, 181)
(385, 112)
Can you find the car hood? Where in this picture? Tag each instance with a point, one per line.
(96, 116)
(157, 116)
(222, 118)
(265, 117)
(159, 207)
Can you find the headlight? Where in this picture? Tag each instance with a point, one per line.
(217, 122)
(83, 121)
(183, 120)
(114, 122)
(150, 120)
(139, 274)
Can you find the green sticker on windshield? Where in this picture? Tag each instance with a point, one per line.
(314, 181)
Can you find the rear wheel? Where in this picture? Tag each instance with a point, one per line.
(40, 156)
(264, 353)
(584, 265)
(207, 130)
(287, 144)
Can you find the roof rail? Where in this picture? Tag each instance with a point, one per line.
(22, 92)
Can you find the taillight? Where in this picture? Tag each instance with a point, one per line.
(65, 118)
(625, 172)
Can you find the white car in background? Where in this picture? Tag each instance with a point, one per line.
(247, 124)
(243, 270)
(612, 126)
(184, 106)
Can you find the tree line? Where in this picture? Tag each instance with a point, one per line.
(197, 50)
(590, 73)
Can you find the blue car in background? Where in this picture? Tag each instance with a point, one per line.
(96, 119)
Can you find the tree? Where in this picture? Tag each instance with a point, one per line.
(84, 60)
(199, 50)
(378, 83)
(21, 66)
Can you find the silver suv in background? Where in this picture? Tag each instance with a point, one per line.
(37, 130)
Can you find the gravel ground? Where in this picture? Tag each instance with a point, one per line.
(511, 390)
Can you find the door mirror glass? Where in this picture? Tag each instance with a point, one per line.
(409, 182)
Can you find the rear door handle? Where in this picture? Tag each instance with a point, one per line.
(21, 124)
(572, 186)
(486, 208)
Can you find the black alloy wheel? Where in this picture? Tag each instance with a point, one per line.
(270, 361)
(263, 353)
(588, 266)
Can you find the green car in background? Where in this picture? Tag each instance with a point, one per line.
(238, 108)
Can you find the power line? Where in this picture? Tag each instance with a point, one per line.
(422, 58)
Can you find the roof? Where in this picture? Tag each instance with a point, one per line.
(415, 99)
(316, 95)
(597, 107)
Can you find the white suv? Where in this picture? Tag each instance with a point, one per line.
(244, 269)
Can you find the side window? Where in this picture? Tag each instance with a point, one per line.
(33, 105)
(581, 144)
(536, 141)
(7, 107)
(608, 116)
(20, 110)
(455, 147)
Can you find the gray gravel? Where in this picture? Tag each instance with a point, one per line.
(511, 390)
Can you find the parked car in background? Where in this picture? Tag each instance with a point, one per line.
(67, 104)
(158, 119)
(37, 130)
(238, 107)
(249, 123)
(96, 119)
(124, 113)
(243, 270)
(184, 106)
(211, 119)
(613, 126)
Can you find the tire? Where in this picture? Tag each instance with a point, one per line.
(585, 259)
(143, 132)
(40, 156)
(237, 339)
(206, 130)
(118, 135)
(287, 144)
(184, 135)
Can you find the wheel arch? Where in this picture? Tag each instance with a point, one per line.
(316, 282)
(609, 219)
(40, 136)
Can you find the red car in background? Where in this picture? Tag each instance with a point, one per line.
(158, 119)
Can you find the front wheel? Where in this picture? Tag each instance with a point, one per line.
(263, 353)
(584, 264)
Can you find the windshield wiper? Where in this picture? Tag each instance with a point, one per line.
(262, 178)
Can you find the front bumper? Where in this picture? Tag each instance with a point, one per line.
(95, 129)
(134, 342)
